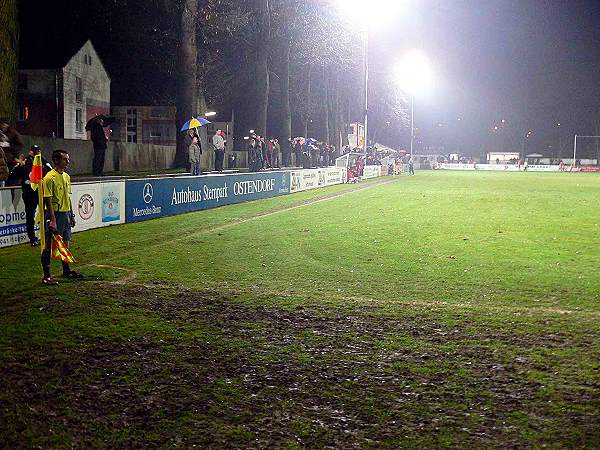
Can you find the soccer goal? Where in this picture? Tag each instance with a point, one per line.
(586, 151)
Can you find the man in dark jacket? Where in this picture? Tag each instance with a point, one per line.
(96, 129)
(30, 197)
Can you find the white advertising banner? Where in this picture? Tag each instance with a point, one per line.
(371, 172)
(500, 167)
(543, 168)
(332, 175)
(12, 217)
(94, 205)
(98, 205)
(303, 180)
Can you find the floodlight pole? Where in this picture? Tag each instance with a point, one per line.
(574, 153)
(366, 72)
(412, 124)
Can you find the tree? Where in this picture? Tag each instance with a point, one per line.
(263, 37)
(187, 80)
(9, 41)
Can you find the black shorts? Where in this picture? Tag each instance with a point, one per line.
(63, 225)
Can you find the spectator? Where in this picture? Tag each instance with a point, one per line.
(298, 151)
(287, 153)
(10, 141)
(194, 156)
(14, 170)
(219, 145)
(99, 140)
(269, 146)
(253, 159)
(3, 168)
(276, 153)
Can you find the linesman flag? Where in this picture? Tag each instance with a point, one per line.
(60, 250)
(36, 179)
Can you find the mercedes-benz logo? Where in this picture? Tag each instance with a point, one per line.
(148, 193)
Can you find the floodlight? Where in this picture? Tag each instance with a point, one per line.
(372, 12)
(414, 73)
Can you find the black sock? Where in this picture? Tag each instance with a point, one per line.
(46, 263)
(66, 268)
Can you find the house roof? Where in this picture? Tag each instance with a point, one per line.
(48, 52)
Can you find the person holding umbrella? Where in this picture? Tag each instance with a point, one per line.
(96, 128)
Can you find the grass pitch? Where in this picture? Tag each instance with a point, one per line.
(441, 310)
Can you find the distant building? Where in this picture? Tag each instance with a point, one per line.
(502, 157)
(356, 135)
(59, 90)
(145, 124)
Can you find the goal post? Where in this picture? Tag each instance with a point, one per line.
(578, 137)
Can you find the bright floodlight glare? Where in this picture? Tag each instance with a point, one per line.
(210, 114)
(369, 12)
(414, 73)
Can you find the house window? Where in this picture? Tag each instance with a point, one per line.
(22, 82)
(78, 120)
(155, 132)
(132, 125)
(159, 113)
(87, 59)
(23, 113)
(78, 89)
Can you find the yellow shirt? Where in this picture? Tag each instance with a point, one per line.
(57, 186)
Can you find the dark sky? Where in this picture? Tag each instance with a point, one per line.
(532, 63)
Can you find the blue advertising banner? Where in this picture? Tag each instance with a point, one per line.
(152, 198)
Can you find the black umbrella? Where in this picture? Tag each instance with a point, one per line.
(108, 120)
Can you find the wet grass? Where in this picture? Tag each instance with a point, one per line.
(433, 311)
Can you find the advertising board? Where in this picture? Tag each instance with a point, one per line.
(98, 205)
(371, 172)
(94, 205)
(302, 180)
(500, 167)
(332, 175)
(149, 199)
(12, 217)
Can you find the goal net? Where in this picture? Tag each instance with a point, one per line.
(586, 151)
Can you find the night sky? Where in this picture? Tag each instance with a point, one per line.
(532, 63)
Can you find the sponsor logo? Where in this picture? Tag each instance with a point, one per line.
(11, 217)
(295, 184)
(150, 211)
(186, 196)
(110, 207)
(253, 186)
(85, 207)
(148, 193)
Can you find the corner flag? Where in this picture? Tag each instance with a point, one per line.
(36, 179)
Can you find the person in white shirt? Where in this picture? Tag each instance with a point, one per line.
(219, 145)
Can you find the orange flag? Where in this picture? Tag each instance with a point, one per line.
(60, 250)
(36, 179)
